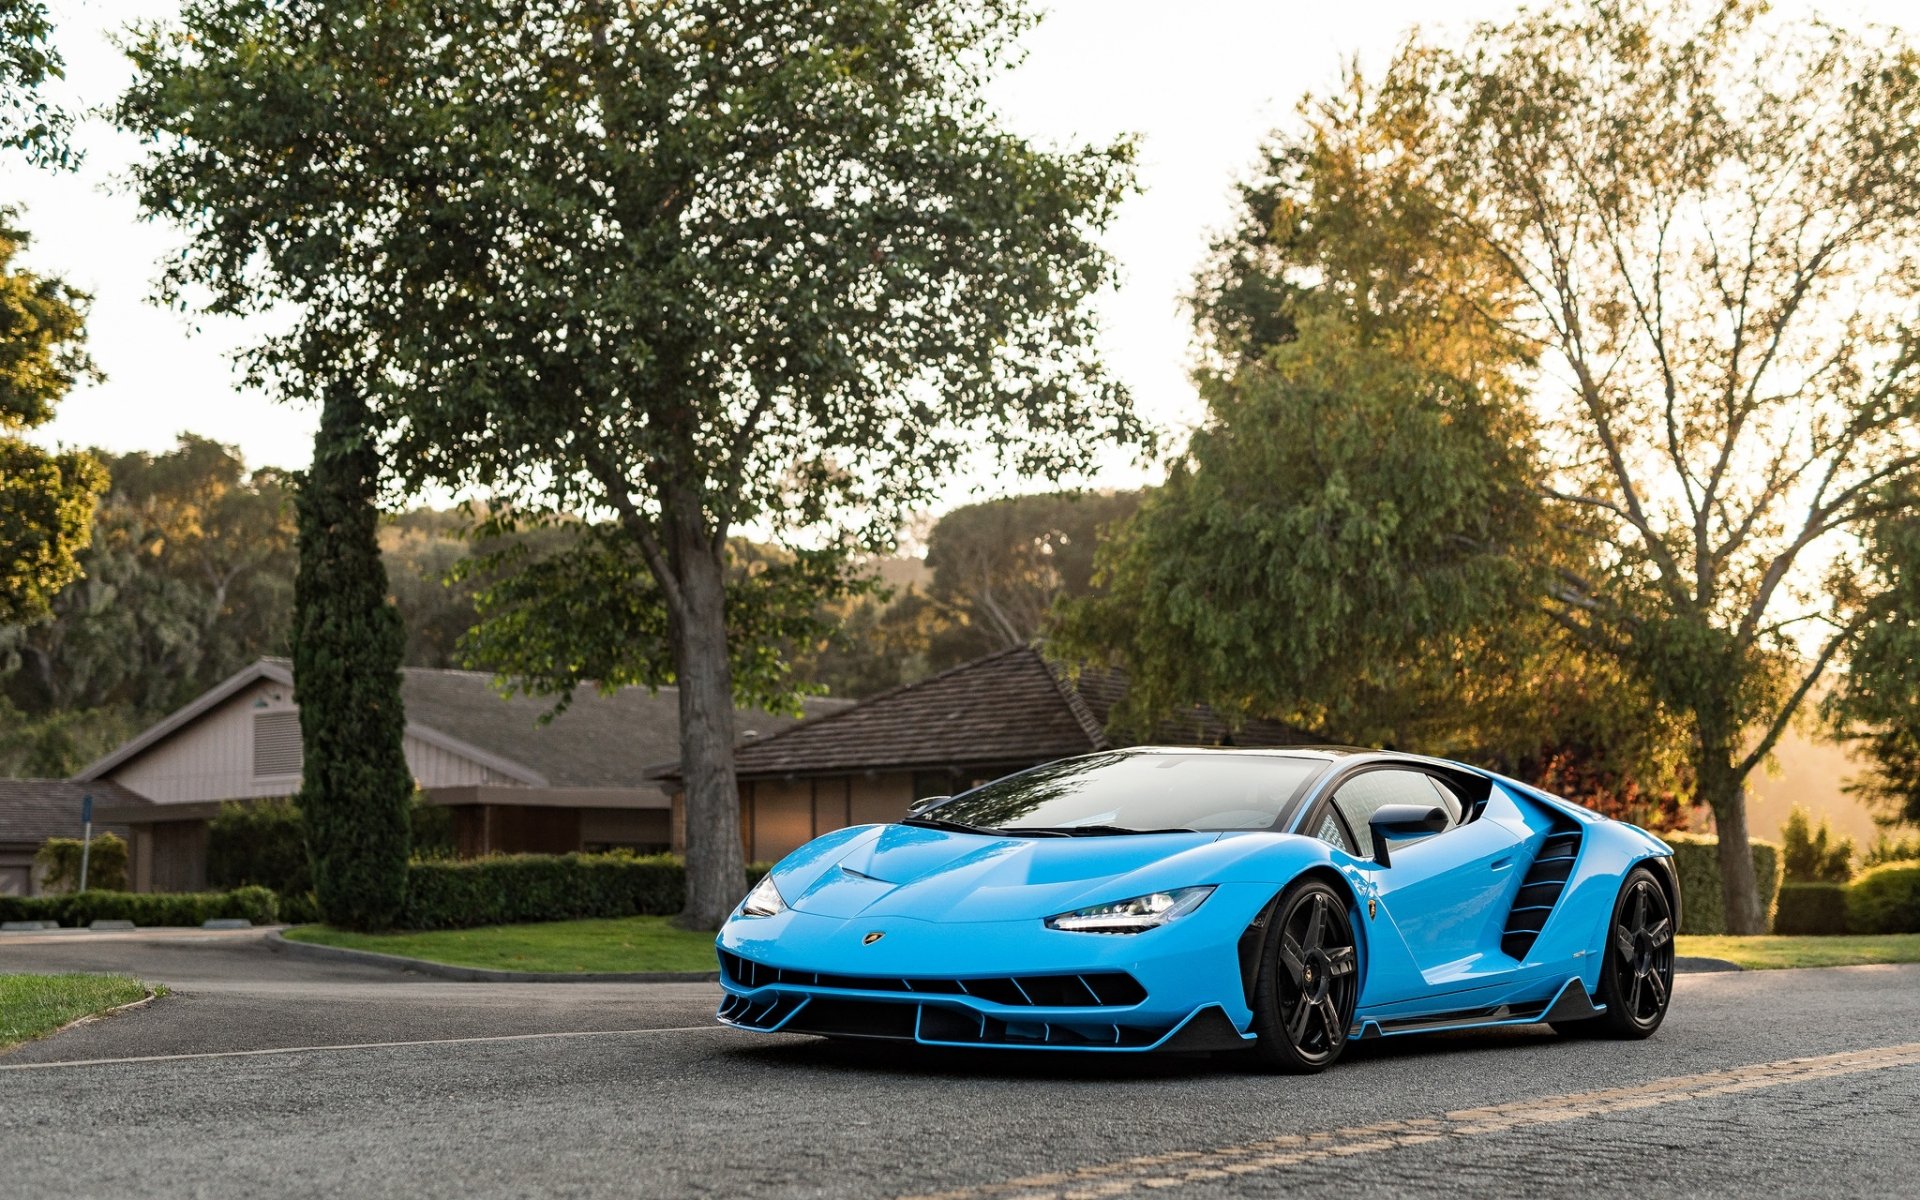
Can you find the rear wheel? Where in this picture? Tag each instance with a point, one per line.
(1309, 981)
(1636, 981)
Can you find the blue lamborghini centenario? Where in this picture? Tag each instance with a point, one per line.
(1278, 902)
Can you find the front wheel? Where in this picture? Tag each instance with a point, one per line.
(1636, 981)
(1308, 983)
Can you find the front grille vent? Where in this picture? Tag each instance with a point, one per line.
(1101, 989)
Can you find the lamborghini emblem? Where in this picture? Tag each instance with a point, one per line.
(871, 938)
(1373, 909)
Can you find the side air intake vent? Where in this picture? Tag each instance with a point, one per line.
(1540, 891)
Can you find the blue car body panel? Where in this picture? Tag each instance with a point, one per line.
(939, 936)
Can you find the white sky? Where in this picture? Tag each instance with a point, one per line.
(1201, 81)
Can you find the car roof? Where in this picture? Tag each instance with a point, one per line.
(1328, 753)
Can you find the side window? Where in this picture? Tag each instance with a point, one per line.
(1367, 793)
(1330, 831)
(1449, 800)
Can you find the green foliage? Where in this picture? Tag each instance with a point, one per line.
(992, 576)
(1813, 856)
(1887, 848)
(262, 843)
(59, 743)
(46, 499)
(256, 904)
(511, 889)
(1811, 908)
(589, 612)
(28, 59)
(189, 577)
(59, 860)
(1340, 530)
(1696, 857)
(1885, 899)
(356, 788)
(1877, 705)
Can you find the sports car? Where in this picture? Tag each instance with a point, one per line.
(1281, 903)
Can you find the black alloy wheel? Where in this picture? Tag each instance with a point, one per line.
(1309, 981)
(1636, 983)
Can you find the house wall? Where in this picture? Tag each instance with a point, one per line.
(777, 816)
(214, 757)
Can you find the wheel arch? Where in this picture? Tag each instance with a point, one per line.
(1253, 937)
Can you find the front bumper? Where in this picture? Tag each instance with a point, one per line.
(1010, 984)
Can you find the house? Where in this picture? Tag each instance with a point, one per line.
(33, 810)
(589, 779)
(1008, 711)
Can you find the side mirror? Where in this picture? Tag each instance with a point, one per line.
(924, 803)
(1403, 821)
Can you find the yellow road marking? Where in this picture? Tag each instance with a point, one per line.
(1156, 1171)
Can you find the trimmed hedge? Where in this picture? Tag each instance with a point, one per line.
(1811, 908)
(518, 888)
(256, 904)
(1697, 859)
(1885, 899)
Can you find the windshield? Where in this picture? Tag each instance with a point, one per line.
(1138, 792)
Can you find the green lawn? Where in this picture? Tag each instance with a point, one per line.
(623, 944)
(33, 1006)
(1761, 953)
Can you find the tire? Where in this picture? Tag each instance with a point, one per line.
(1636, 980)
(1309, 981)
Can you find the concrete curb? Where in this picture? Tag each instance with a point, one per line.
(1685, 965)
(421, 966)
(102, 1015)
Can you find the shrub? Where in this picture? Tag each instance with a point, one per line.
(59, 860)
(1885, 899)
(1808, 855)
(1811, 908)
(1887, 848)
(260, 844)
(1696, 858)
(256, 904)
(512, 889)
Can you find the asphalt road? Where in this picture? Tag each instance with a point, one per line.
(628, 1090)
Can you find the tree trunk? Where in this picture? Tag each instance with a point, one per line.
(716, 864)
(1725, 792)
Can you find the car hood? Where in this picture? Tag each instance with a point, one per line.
(933, 874)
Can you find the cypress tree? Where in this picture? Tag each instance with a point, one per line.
(348, 639)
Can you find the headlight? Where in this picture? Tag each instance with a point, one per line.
(764, 900)
(1132, 916)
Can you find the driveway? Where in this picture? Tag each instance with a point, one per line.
(268, 1076)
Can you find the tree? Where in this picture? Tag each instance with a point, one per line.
(685, 268)
(1876, 706)
(187, 577)
(356, 790)
(46, 500)
(1712, 219)
(1809, 855)
(1001, 566)
(1359, 508)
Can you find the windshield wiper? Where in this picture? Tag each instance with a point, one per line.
(949, 826)
(1086, 830)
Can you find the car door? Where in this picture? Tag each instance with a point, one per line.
(1448, 893)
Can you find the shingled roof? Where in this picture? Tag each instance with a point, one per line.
(33, 810)
(599, 741)
(616, 740)
(1009, 708)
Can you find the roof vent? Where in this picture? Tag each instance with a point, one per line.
(276, 744)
